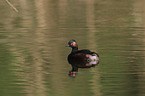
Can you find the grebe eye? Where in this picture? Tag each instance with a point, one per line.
(71, 44)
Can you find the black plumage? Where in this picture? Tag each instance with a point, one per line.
(81, 58)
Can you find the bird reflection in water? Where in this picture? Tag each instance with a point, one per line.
(81, 58)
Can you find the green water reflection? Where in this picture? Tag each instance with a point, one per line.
(33, 54)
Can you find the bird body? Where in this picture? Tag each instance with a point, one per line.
(81, 58)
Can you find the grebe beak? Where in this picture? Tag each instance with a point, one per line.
(67, 46)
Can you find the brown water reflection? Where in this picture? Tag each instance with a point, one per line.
(33, 58)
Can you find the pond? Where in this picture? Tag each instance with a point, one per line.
(33, 56)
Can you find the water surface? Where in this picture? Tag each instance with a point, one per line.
(33, 56)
